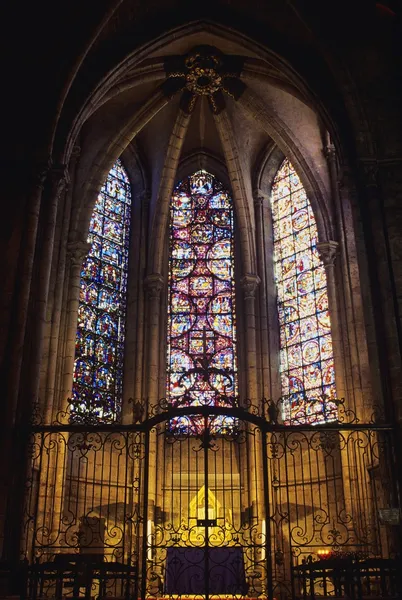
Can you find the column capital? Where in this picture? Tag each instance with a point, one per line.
(153, 285)
(59, 178)
(328, 251)
(249, 283)
(259, 197)
(77, 251)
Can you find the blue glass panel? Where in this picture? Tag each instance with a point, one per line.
(98, 374)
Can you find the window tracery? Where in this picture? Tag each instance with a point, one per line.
(201, 355)
(306, 354)
(98, 370)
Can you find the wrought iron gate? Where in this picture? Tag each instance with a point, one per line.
(228, 503)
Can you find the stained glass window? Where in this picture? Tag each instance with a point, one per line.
(98, 372)
(201, 357)
(307, 363)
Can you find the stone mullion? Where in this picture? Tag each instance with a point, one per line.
(59, 292)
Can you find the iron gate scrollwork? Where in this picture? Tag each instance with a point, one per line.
(245, 507)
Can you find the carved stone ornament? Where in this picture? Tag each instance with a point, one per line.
(203, 77)
(259, 198)
(77, 252)
(250, 283)
(328, 251)
(59, 179)
(204, 71)
(153, 285)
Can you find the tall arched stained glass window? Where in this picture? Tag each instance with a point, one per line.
(307, 363)
(201, 357)
(98, 373)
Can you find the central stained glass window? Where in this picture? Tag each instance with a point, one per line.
(201, 355)
(307, 362)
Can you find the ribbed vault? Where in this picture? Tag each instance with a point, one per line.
(190, 105)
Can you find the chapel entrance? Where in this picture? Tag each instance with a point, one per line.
(211, 502)
(209, 532)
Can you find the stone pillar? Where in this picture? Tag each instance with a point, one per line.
(153, 285)
(139, 360)
(57, 179)
(351, 326)
(59, 290)
(76, 253)
(328, 252)
(249, 284)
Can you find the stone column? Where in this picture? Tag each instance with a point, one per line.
(153, 285)
(351, 320)
(57, 179)
(328, 252)
(249, 284)
(139, 366)
(76, 253)
(59, 290)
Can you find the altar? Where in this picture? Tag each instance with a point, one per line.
(186, 571)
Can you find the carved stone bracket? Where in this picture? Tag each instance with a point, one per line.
(154, 285)
(249, 283)
(328, 251)
(77, 252)
(59, 179)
